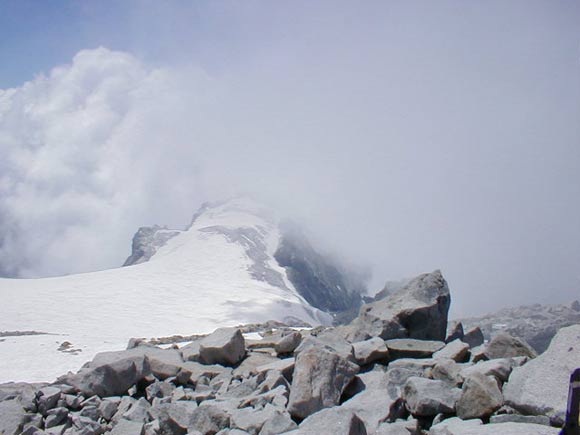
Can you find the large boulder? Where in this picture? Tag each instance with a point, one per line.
(419, 310)
(540, 387)
(225, 346)
(110, 374)
(320, 376)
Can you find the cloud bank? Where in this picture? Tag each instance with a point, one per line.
(407, 148)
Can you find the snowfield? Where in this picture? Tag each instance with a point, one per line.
(219, 272)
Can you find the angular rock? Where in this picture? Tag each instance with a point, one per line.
(285, 366)
(209, 419)
(126, 427)
(47, 399)
(225, 346)
(108, 408)
(159, 389)
(447, 370)
(369, 401)
(456, 350)
(109, 376)
(320, 376)
(277, 424)
(426, 397)
(454, 332)
(506, 346)
(540, 387)
(330, 339)
(139, 411)
(410, 348)
(499, 368)
(480, 397)
(250, 364)
(288, 343)
(56, 417)
(335, 421)
(474, 337)
(419, 310)
(369, 351)
(190, 352)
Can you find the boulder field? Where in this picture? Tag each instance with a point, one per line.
(396, 369)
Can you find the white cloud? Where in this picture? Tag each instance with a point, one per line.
(85, 151)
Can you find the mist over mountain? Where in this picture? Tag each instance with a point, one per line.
(399, 135)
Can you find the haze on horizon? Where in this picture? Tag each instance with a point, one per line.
(406, 136)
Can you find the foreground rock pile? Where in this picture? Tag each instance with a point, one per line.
(392, 371)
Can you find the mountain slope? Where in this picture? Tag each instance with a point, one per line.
(219, 272)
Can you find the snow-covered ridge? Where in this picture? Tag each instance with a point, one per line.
(219, 272)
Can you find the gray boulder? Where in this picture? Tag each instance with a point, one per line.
(480, 397)
(108, 375)
(410, 348)
(369, 351)
(12, 416)
(506, 346)
(288, 343)
(447, 370)
(426, 397)
(456, 350)
(126, 427)
(332, 340)
(371, 404)
(454, 331)
(225, 346)
(499, 368)
(335, 421)
(419, 310)
(320, 376)
(473, 336)
(540, 387)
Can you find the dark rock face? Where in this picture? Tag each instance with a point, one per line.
(323, 283)
(419, 310)
(146, 242)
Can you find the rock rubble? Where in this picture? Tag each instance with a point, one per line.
(391, 371)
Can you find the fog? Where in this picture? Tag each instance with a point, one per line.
(408, 137)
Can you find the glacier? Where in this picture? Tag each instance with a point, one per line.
(218, 272)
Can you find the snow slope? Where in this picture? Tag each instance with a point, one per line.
(219, 272)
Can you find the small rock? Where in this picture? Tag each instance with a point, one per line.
(288, 343)
(335, 421)
(517, 418)
(454, 332)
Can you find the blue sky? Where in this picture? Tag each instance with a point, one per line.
(443, 134)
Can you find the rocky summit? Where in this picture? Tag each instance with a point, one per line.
(391, 371)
